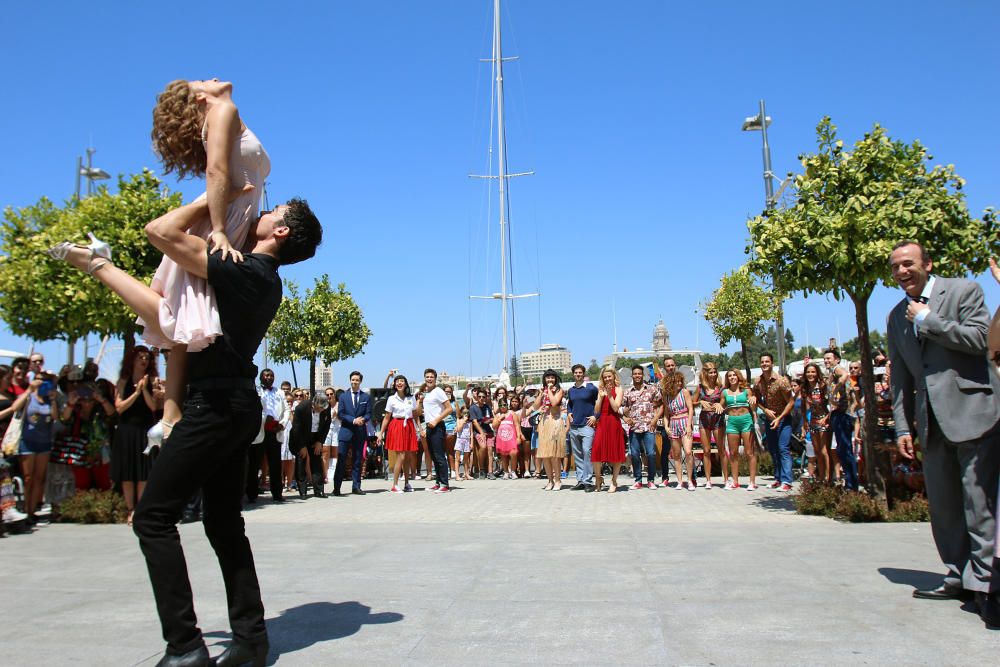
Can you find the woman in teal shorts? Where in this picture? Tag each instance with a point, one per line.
(738, 403)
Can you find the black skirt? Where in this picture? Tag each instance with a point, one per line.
(128, 463)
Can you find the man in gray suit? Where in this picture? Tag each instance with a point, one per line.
(943, 384)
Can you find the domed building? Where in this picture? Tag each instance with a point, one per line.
(661, 339)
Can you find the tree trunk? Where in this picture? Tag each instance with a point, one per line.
(312, 374)
(746, 360)
(878, 465)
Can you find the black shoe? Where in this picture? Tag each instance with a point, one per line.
(942, 592)
(244, 653)
(278, 499)
(589, 488)
(251, 501)
(302, 493)
(337, 493)
(319, 492)
(357, 492)
(989, 608)
(580, 486)
(197, 658)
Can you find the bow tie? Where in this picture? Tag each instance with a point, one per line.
(922, 299)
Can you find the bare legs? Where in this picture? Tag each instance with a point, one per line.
(176, 383)
(721, 446)
(401, 460)
(34, 467)
(552, 470)
(821, 446)
(675, 455)
(133, 494)
(750, 449)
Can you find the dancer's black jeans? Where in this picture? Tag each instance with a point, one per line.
(315, 466)
(207, 450)
(435, 441)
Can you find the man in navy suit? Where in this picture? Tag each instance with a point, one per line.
(355, 410)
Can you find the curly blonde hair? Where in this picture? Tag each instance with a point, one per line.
(177, 124)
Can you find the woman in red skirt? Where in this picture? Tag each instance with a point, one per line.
(609, 437)
(399, 432)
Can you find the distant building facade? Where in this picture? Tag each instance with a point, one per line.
(323, 376)
(556, 357)
(661, 339)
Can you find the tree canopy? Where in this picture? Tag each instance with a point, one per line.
(738, 309)
(852, 207)
(324, 323)
(44, 299)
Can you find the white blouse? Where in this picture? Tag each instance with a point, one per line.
(400, 408)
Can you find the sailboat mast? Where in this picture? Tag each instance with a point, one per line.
(502, 176)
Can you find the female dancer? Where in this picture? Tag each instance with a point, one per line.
(609, 436)
(679, 418)
(197, 131)
(398, 432)
(136, 409)
(739, 404)
(549, 402)
(552, 431)
(712, 422)
(816, 417)
(507, 427)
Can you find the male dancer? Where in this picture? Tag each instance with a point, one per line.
(207, 449)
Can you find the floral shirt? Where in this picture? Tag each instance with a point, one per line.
(773, 393)
(641, 404)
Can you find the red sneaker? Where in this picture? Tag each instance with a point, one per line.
(435, 487)
(785, 487)
(443, 489)
(637, 486)
(774, 485)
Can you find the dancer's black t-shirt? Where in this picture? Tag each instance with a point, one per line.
(248, 294)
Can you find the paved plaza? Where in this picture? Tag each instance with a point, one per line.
(500, 572)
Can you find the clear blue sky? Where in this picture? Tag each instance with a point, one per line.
(629, 113)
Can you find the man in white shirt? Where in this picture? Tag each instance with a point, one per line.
(436, 407)
(275, 407)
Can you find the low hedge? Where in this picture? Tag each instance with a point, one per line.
(820, 499)
(94, 507)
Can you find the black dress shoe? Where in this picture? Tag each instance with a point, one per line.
(244, 653)
(989, 608)
(589, 488)
(197, 658)
(278, 499)
(580, 486)
(319, 493)
(942, 592)
(302, 493)
(358, 492)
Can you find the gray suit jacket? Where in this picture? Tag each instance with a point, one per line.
(946, 366)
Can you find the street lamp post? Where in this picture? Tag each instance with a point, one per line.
(752, 124)
(91, 173)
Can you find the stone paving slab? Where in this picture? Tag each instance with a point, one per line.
(502, 573)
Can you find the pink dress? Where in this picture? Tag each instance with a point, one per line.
(506, 442)
(188, 311)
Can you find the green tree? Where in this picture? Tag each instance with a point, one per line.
(516, 377)
(324, 323)
(594, 370)
(851, 208)
(43, 299)
(738, 309)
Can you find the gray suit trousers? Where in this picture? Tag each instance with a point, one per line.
(961, 480)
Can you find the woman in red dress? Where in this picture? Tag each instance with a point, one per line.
(609, 437)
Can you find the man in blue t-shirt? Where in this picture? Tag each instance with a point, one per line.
(582, 397)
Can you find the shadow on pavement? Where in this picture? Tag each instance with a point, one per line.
(914, 578)
(314, 623)
(784, 503)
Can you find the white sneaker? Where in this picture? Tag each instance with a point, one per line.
(11, 515)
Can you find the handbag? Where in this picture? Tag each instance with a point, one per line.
(12, 436)
(69, 451)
